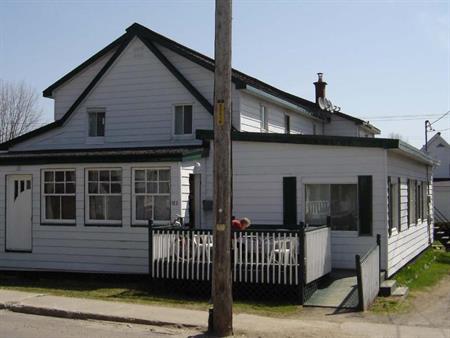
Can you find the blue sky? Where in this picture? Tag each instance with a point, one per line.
(384, 61)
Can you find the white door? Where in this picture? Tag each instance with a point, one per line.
(18, 213)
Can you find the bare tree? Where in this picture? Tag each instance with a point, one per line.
(19, 109)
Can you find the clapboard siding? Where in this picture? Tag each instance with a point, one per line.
(251, 119)
(258, 170)
(121, 249)
(441, 194)
(66, 94)
(138, 93)
(410, 239)
(340, 127)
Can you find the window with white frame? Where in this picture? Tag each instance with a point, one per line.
(59, 190)
(394, 203)
(104, 196)
(264, 118)
(96, 123)
(183, 120)
(333, 203)
(151, 195)
(412, 200)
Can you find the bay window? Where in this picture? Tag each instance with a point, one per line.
(104, 196)
(58, 190)
(336, 204)
(151, 195)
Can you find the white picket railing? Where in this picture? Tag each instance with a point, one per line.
(317, 253)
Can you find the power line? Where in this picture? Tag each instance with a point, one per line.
(445, 114)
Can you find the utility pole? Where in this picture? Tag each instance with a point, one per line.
(221, 276)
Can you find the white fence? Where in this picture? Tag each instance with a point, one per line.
(317, 253)
(368, 274)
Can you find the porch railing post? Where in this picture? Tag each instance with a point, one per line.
(301, 263)
(150, 248)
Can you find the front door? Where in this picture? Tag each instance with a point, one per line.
(18, 213)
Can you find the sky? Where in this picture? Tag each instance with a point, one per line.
(385, 61)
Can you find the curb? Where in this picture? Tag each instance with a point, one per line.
(41, 311)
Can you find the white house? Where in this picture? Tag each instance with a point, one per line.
(132, 141)
(439, 149)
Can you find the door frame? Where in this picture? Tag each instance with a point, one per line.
(6, 211)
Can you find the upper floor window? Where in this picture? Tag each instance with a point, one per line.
(264, 118)
(287, 124)
(183, 120)
(59, 196)
(96, 123)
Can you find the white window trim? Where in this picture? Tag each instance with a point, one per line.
(44, 219)
(134, 221)
(264, 120)
(89, 221)
(94, 139)
(182, 136)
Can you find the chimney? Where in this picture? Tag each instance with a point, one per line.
(320, 87)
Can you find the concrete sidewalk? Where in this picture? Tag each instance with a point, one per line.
(244, 324)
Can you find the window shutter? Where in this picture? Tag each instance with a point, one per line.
(365, 204)
(289, 200)
(399, 204)
(409, 202)
(390, 205)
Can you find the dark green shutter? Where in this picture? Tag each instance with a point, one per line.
(409, 203)
(399, 205)
(390, 205)
(289, 200)
(365, 204)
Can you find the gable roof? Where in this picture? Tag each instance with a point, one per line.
(437, 138)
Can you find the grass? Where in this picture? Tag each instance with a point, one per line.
(130, 289)
(424, 272)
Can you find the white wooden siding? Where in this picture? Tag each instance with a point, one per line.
(258, 170)
(441, 194)
(85, 248)
(412, 239)
(138, 93)
(66, 94)
(251, 117)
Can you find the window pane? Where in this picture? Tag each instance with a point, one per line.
(114, 208)
(144, 208)
(59, 188)
(100, 124)
(49, 176)
(96, 207)
(49, 188)
(70, 188)
(52, 207)
(104, 188)
(92, 124)
(70, 176)
(152, 175)
(93, 175)
(93, 188)
(152, 188)
(317, 203)
(162, 208)
(164, 175)
(139, 175)
(104, 175)
(188, 119)
(59, 176)
(164, 187)
(344, 207)
(179, 120)
(116, 188)
(116, 175)
(68, 207)
(139, 187)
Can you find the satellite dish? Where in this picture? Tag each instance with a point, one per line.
(329, 105)
(322, 104)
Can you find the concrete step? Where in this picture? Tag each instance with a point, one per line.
(388, 287)
(400, 292)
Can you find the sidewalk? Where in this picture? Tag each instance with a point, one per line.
(249, 325)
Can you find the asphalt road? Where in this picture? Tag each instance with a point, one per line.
(17, 325)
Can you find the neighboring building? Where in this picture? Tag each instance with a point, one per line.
(132, 141)
(439, 149)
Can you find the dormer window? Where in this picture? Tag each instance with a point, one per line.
(183, 120)
(96, 123)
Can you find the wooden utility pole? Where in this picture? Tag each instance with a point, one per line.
(221, 278)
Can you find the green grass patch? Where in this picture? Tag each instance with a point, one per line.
(130, 290)
(424, 272)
